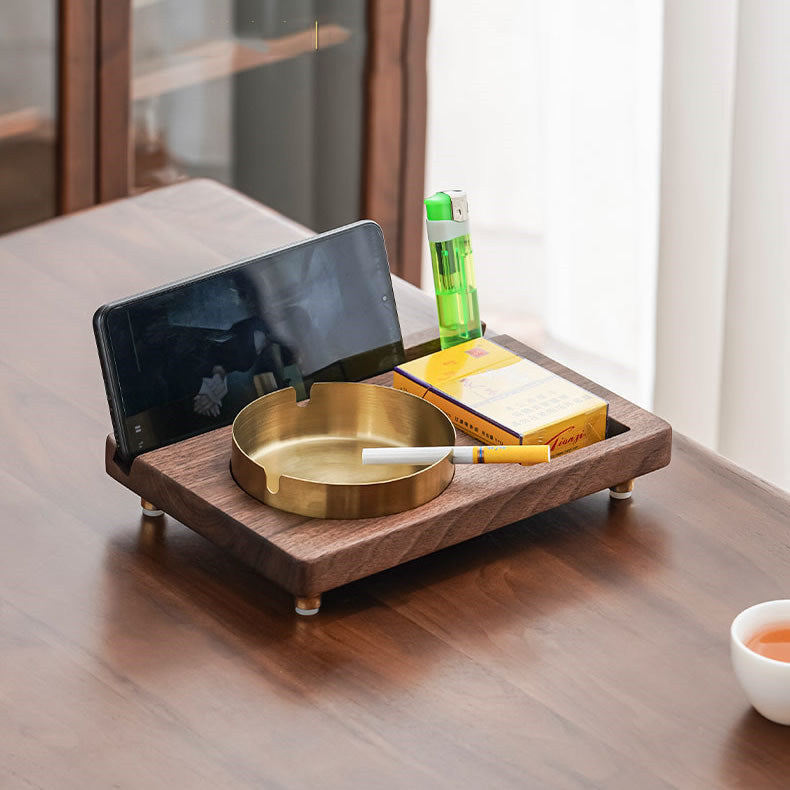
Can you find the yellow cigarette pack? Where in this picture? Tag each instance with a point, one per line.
(501, 398)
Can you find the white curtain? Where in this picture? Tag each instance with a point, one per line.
(602, 79)
(723, 324)
(627, 163)
(548, 113)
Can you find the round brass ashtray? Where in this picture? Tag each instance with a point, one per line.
(307, 458)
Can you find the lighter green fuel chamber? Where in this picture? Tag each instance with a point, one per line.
(453, 267)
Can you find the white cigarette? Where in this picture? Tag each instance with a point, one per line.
(422, 456)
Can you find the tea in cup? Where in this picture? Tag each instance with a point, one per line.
(760, 651)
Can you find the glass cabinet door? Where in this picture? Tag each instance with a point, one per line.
(266, 96)
(28, 129)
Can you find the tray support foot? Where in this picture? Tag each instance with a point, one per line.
(622, 490)
(150, 510)
(307, 605)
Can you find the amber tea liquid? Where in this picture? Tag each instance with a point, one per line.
(773, 641)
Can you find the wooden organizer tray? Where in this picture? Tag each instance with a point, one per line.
(191, 481)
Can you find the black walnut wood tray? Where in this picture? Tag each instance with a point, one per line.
(191, 482)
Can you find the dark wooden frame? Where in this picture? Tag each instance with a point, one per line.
(415, 104)
(396, 96)
(76, 105)
(384, 112)
(94, 71)
(114, 76)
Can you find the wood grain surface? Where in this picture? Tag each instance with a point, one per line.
(585, 647)
(191, 481)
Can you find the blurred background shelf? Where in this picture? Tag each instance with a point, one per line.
(26, 122)
(222, 58)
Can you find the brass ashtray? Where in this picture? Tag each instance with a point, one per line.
(307, 458)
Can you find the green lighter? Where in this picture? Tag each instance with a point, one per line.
(453, 268)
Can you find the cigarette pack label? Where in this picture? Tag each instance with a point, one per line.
(501, 398)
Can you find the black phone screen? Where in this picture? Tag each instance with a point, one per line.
(187, 358)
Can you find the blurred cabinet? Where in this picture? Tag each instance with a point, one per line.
(313, 107)
(48, 64)
(28, 112)
(266, 96)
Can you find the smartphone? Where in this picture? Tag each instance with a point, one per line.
(183, 359)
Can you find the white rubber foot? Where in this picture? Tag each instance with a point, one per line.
(620, 495)
(305, 612)
(152, 513)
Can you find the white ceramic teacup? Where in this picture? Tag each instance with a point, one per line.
(765, 681)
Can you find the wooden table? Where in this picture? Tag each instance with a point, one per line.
(585, 647)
